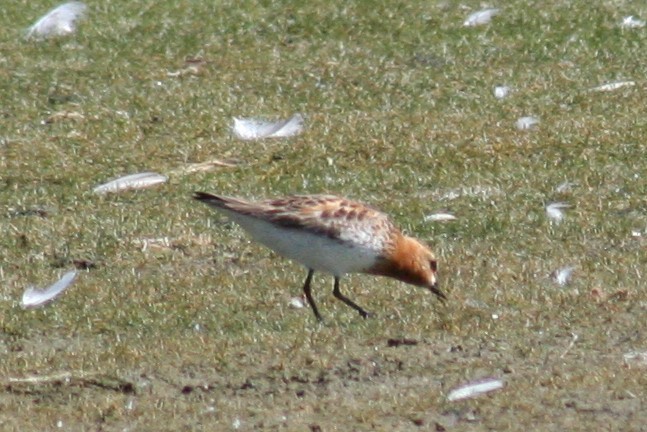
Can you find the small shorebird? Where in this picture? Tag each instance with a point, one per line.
(333, 235)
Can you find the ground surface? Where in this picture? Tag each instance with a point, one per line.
(178, 322)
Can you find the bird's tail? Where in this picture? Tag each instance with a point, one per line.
(221, 202)
(210, 199)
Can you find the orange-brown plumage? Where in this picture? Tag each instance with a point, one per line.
(411, 262)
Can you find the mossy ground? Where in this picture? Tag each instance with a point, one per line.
(194, 332)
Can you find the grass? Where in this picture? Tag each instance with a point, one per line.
(196, 334)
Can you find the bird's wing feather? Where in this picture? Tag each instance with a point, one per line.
(335, 217)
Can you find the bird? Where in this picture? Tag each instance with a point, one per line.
(333, 235)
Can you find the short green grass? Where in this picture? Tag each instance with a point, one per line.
(195, 332)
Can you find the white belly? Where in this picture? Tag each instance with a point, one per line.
(316, 252)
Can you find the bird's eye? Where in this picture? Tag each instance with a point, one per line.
(433, 265)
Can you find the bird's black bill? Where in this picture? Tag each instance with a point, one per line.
(434, 289)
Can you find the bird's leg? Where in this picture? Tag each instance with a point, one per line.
(306, 290)
(348, 301)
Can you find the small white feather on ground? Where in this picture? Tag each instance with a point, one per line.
(563, 275)
(636, 358)
(632, 22)
(565, 186)
(481, 17)
(501, 92)
(33, 297)
(440, 217)
(525, 123)
(297, 303)
(613, 86)
(555, 211)
(132, 181)
(60, 21)
(251, 129)
(474, 389)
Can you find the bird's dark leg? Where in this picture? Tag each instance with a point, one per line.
(348, 301)
(306, 290)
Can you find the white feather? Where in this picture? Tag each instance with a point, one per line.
(296, 303)
(440, 217)
(33, 297)
(474, 389)
(469, 191)
(132, 181)
(525, 123)
(565, 187)
(555, 211)
(614, 86)
(501, 92)
(631, 22)
(250, 129)
(636, 358)
(481, 17)
(563, 275)
(60, 21)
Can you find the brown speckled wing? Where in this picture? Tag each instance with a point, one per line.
(337, 218)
